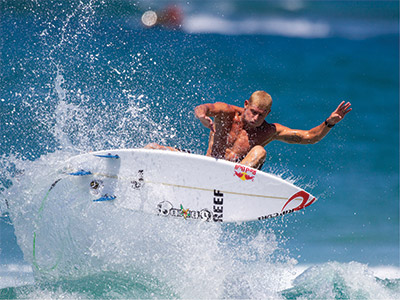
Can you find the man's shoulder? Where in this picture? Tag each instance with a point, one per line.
(226, 105)
(267, 126)
(226, 108)
(278, 127)
(266, 132)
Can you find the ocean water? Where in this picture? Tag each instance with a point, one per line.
(79, 76)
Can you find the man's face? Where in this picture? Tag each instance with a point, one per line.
(254, 115)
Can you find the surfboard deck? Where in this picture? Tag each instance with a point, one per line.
(180, 185)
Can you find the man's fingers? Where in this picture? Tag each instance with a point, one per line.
(210, 124)
(342, 110)
(212, 127)
(347, 111)
(340, 105)
(348, 104)
(344, 107)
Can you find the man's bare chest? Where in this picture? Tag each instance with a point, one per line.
(240, 137)
(244, 138)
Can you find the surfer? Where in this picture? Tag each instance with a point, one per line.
(239, 134)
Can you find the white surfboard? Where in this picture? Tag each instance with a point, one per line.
(180, 185)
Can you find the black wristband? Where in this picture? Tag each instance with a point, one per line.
(328, 125)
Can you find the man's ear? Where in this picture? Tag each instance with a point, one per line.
(246, 103)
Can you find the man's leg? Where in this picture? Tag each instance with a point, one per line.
(159, 147)
(255, 158)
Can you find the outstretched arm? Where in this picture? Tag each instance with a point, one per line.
(315, 134)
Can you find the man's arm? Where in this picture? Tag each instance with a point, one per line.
(204, 111)
(315, 134)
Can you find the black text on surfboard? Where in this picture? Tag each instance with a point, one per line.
(137, 184)
(218, 208)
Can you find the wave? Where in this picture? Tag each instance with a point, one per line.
(331, 280)
(272, 26)
(353, 280)
(301, 27)
(120, 253)
(13, 275)
(84, 252)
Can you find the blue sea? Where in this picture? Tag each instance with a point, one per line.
(86, 75)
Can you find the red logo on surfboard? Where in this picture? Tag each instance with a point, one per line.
(244, 173)
(306, 198)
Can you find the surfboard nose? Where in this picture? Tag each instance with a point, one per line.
(306, 200)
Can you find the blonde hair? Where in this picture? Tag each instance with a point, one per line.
(261, 99)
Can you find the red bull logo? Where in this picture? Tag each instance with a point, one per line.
(245, 173)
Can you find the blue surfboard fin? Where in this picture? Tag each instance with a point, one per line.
(109, 155)
(106, 197)
(80, 173)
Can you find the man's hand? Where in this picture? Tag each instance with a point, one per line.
(207, 122)
(339, 113)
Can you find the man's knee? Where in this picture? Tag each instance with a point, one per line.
(255, 158)
(159, 147)
(152, 146)
(260, 152)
